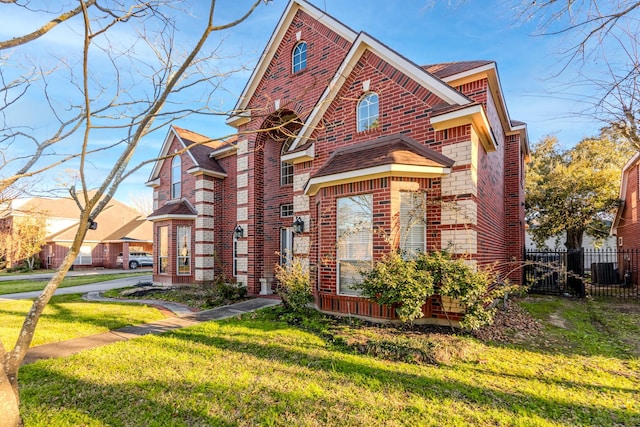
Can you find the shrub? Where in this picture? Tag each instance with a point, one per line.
(294, 284)
(395, 280)
(408, 282)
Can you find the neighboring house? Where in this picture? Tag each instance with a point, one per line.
(626, 225)
(120, 229)
(557, 243)
(375, 153)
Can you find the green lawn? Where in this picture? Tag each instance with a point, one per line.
(261, 371)
(28, 285)
(67, 317)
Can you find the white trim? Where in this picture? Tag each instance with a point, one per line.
(198, 170)
(229, 150)
(316, 184)
(274, 42)
(362, 43)
(300, 156)
(473, 115)
(623, 191)
(153, 183)
(170, 216)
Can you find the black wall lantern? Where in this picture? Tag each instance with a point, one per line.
(238, 232)
(298, 225)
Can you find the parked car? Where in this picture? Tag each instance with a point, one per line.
(137, 259)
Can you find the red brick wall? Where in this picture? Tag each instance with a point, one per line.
(629, 225)
(188, 181)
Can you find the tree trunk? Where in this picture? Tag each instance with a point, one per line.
(574, 239)
(9, 403)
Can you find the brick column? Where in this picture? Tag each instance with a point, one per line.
(204, 230)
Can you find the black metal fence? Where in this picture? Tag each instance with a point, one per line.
(595, 272)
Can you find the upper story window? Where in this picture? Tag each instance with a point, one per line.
(368, 112)
(176, 177)
(286, 169)
(299, 57)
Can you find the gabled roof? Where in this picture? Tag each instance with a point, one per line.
(199, 152)
(179, 209)
(272, 46)
(363, 43)
(140, 230)
(394, 155)
(447, 69)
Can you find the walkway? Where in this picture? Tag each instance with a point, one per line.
(185, 318)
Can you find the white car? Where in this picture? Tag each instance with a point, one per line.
(137, 259)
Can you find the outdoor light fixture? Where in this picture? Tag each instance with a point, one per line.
(238, 232)
(93, 225)
(298, 225)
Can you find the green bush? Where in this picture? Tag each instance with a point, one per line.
(294, 285)
(399, 281)
(407, 283)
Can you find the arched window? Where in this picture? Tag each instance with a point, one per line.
(286, 169)
(299, 57)
(176, 177)
(368, 112)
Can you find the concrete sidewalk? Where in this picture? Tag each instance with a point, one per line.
(67, 348)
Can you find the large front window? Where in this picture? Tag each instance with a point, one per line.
(412, 222)
(355, 240)
(184, 250)
(163, 249)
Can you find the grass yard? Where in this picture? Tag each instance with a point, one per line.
(28, 285)
(67, 317)
(581, 369)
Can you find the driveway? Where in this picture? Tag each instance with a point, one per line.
(82, 289)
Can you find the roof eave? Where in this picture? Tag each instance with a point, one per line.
(399, 170)
(473, 115)
(305, 155)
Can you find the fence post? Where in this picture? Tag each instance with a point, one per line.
(575, 269)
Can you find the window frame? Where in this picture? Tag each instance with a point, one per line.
(299, 57)
(410, 224)
(286, 169)
(163, 249)
(183, 242)
(362, 242)
(371, 121)
(176, 177)
(286, 210)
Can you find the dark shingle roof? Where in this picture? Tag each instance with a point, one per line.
(171, 209)
(201, 151)
(393, 149)
(447, 69)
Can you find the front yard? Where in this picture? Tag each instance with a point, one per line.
(580, 367)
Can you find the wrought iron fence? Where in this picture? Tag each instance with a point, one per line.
(595, 272)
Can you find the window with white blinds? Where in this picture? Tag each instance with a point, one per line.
(355, 240)
(413, 225)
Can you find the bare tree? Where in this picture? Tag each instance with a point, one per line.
(600, 42)
(131, 76)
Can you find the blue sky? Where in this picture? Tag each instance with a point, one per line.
(425, 31)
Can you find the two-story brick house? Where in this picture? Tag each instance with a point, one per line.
(345, 150)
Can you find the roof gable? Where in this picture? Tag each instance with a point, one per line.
(363, 43)
(272, 46)
(199, 152)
